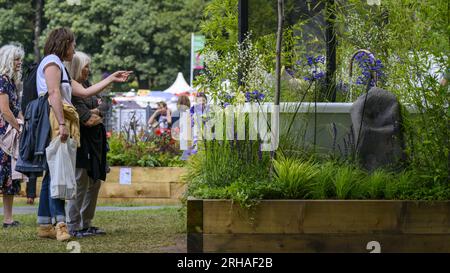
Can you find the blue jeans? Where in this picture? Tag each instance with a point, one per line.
(50, 210)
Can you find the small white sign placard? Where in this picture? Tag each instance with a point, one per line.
(125, 176)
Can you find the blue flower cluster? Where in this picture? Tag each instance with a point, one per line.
(227, 99)
(368, 64)
(314, 62)
(342, 87)
(315, 76)
(290, 72)
(254, 96)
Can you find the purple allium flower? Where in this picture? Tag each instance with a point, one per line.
(368, 64)
(247, 96)
(318, 75)
(290, 72)
(320, 59)
(228, 97)
(371, 58)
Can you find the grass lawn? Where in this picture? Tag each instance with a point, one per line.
(161, 230)
(22, 202)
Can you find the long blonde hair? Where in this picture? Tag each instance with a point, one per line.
(79, 61)
(8, 54)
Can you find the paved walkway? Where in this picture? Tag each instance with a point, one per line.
(33, 210)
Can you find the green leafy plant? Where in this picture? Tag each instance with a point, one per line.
(295, 177)
(375, 184)
(143, 153)
(324, 187)
(347, 182)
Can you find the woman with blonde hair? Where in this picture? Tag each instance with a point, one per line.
(11, 57)
(91, 155)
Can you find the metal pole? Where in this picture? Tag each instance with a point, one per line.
(192, 61)
(120, 118)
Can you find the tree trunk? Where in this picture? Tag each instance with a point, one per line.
(279, 44)
(37, 29)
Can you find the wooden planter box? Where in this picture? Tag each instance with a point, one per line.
(161, 185)
(318, 226)
(153, 184)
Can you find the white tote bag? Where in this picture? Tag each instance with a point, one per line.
(61, 159)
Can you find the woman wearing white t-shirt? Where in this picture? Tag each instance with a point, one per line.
(59, 47)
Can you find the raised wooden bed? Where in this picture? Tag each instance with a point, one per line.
(161, 185)
(318, 226)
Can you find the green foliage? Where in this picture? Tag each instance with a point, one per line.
(347, 182)
(408, 185)
(150, 37)
(376, 184)
(411, 38)
(324, 186)
(220, 25)
(143, 154)
(295, 177)
(224, 169)
(408, 36)
(15, 25)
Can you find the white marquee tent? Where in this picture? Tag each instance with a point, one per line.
(179, 86)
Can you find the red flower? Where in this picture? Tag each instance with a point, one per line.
(158, 132)
(108, 134)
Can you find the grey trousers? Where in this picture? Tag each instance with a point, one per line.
(81, 210)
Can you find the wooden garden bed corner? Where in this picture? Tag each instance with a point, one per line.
(318, 226)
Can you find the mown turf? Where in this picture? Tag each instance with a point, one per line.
(161, 230)
(22, 202)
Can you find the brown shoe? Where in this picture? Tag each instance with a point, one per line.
(62, 233)
(46, 231)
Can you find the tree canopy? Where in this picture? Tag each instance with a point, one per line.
(150, 37)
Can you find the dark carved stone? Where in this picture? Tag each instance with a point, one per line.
(379, 141)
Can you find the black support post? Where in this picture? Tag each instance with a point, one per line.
(330, 37)
(242, 29)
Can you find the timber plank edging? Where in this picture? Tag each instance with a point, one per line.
(404, 226)
(194, 226)
(147, 182)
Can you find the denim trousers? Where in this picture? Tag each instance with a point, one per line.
(50, 210)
